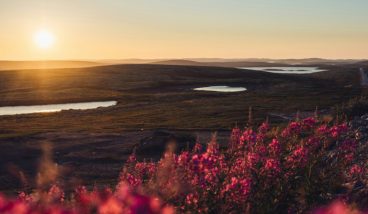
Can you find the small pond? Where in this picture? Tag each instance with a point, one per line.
(13, 110)
(221, 89)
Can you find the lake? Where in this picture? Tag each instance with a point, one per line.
(14, 110)
(221, 89)
(286, 70)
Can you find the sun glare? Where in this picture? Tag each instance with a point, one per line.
(44, 39)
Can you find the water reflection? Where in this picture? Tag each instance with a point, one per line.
(13, 110)
(221, 89)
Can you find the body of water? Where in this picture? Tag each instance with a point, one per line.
(14, 110)
(286, 70)
(221, 89)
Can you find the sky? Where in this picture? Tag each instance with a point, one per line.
(118, 29)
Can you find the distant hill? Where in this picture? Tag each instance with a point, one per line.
(218, 63)
(18, 65)
(179, 62)
(126, 61)
(248, 64)
(313, 61)
(257, 62)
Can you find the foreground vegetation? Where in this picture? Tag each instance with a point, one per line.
(299, 168)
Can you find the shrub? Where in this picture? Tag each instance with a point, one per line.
(296, 169)
(304, 165)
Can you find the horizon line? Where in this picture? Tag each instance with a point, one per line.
(179, 58)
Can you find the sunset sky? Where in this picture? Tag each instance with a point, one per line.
(117, 29)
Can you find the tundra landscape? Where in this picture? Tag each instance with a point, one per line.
(163, 107)
(155, 102)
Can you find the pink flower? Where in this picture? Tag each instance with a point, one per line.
(355, 170)
(140, 204)
(272, 165)
(131, 179)
(132, 159)
(111, 206)
(245, 186)
(253, 159)
(313, 142)
(56, 194)
(183, 158)
(248, 137)
(260, 137)
(323, 129)
(264, 127)
(274, 147)
(348, 157)
(292, 128)
(309, 122)
(338, 130)
(191, 199)
(294, 125)
(239, 189)
(197, 148)
(262, 150)
(298, 158)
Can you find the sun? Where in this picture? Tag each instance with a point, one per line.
(44, 39)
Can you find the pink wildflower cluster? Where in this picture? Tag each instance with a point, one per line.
(123, 200)
(261, 170)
